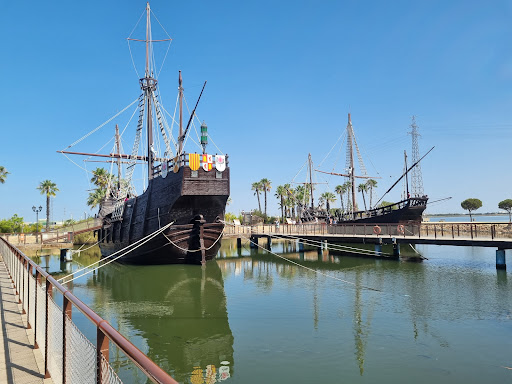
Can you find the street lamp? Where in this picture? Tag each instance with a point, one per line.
(37, 210)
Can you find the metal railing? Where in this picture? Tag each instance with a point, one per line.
(69, 356)
(447, 230)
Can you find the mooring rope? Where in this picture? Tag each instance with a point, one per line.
(141, 241)
(311, 269)
(195, 250)
(334, 247)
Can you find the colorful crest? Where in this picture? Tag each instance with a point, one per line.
(164, 169)
(176, 167)
(207, 162)
(194, 161)
(220, 163)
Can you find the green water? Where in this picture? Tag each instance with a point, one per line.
(250, 316)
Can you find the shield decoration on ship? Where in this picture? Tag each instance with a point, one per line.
(207, 162)
(194, 161)
(176, 167)
(220, 163)
(164, 169)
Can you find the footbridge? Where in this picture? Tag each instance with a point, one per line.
(495, 235)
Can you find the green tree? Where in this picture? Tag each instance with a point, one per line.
(256, 187)
(266, 185)
(96, 197)
(340, 190)
(3, 174)
(281, 194)
(471, 205)
(348, 189)
(329, 198)
(370, 184)
(48, 188)
(507, 206)
(101, 178)
(363, 188)
(12, 225)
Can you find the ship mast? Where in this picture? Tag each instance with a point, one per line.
(310, 164)
(118, 147)
(148, 86)
(350, 160)
(180, 137)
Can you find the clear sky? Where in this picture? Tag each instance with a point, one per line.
(282, 76)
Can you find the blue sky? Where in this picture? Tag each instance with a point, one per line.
(282, 77)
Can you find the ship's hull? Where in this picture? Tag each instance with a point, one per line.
(403, 212)
(192, 206)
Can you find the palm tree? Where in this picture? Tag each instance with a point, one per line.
(348, 189)
(362, 188)
(329, 198)
(3, 174)
(281, 194)
(100, 178)
(48, 188)
(340, 190)
(266, 186)
(256, 187)
(291, 199)
(371, 183)
(96, 197)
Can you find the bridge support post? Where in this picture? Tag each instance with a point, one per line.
(239, 243)
(378, 248)
(396, 248)
(269, 243)
(254, 242)
(500, 259)
(301, 246)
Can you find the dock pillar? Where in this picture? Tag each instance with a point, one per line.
(254, 242)
(320, 248)
(239, 243)
(396, 249)
(378, 248)
(500, 259)
(269, 243)
(301, 246)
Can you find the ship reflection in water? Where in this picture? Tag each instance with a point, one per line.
(180, 313)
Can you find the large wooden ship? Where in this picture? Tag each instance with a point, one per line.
(408, 210)
(179, 216)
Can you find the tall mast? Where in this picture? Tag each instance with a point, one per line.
(180, 137)
(150, 84)
(406, 177)
(310, 163)
(350, 151)
(118, 147)
(148, 27)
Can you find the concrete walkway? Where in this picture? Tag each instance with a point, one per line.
(19, 362)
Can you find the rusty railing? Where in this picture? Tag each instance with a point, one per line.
(69, 357)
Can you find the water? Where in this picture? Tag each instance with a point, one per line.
(465, 218)
(258, 317)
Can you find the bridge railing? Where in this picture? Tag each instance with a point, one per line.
(421, 230)
(69, 356)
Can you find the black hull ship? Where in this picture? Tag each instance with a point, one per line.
(408, 210)
(179, 216)
(194, 205)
